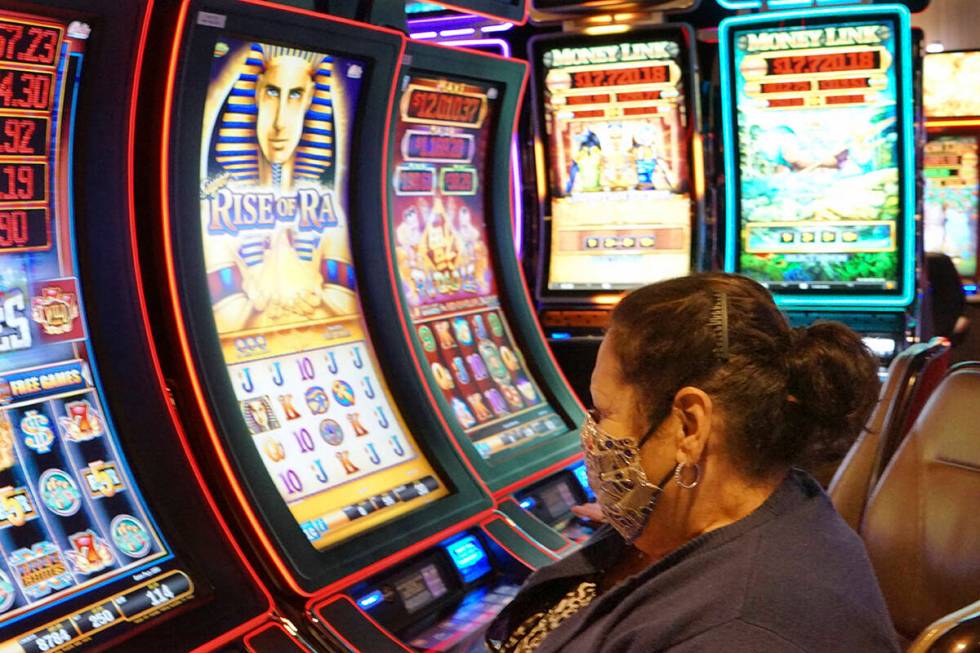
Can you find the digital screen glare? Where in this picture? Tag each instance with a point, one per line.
(951, 202)
(80, 554)
(446, 273)
(816, 122)
(616, 127)
(949, 80)
(276, 142)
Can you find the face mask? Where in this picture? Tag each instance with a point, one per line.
(621, 487)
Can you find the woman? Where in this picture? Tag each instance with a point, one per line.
(705, 400)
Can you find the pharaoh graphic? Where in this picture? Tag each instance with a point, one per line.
(275, 235)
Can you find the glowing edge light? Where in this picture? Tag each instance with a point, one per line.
(515, 164)
(903, 50)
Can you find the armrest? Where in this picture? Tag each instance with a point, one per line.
(957, 632)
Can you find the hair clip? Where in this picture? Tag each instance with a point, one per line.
(719, 322)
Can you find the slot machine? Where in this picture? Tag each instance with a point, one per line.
(108, 537)
(459, 285)
(285, 350)
(819, 169)
(462, 316)
(620, 176)
(952, 110)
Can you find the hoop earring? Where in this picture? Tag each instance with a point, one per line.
(697, 475)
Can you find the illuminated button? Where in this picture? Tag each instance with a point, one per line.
(807, 237)
(828, 236)
(787, 236)
(849, 237)
(648, 241)
(610, 243)
(591, 242)
(629, 242)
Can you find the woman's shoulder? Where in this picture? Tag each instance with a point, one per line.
(810, 575)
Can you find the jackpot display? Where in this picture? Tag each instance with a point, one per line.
(952, 207)
(80, 555)
(444, 264)
(278, 124)
(817, 122)
(616, 128)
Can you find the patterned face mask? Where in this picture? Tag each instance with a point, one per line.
(621, 487)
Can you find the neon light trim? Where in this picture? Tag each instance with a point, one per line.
(904, 54)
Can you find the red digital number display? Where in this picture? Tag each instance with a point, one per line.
(800, 64)
(786, 87)
(459, 181)
(639, 96)
(416, 181)
(445, 107)
(23, 136)
(436, 146)
(22, 89)
(22, 182)
(586, 99)
(23, 228)
(28, 43)
(621, 77)
(838, 84)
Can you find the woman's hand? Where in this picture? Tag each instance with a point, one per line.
(590, 511)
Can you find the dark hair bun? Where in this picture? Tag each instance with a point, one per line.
(832, 387)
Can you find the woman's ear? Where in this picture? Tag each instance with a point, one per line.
(693, 409)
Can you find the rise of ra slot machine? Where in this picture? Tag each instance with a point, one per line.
(72, 523)
(819, 159)
(275, 139)
(443, 260)
(616, 123)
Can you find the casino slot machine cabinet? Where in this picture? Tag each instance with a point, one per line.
(952, 110)
(108, 538)
(340, 475)
(464, 305)
(464, 323)
(820, 197)
(620, 176)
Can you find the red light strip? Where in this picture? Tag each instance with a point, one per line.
(381, 629)
(155, 357)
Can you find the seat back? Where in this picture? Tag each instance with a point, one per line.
(860, 469)
(921, 525)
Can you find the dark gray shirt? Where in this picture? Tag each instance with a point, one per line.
(790, 577)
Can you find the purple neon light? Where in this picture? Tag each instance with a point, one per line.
(518, 201)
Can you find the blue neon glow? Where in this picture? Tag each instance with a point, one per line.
(370, 600)
(469, 557)
(528, 503)
(773, 4)
(583, 478)
(970, 288)
(904, 98)
(559, 335)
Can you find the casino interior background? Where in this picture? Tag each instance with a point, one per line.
(300, 300)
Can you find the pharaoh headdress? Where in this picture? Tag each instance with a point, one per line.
(237, 147)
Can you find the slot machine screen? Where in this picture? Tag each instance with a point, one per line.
(443, 258)
(951, 202)
(275, 152)
(949, 80)
(81, 557)
(616, 126)
(818, 120)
